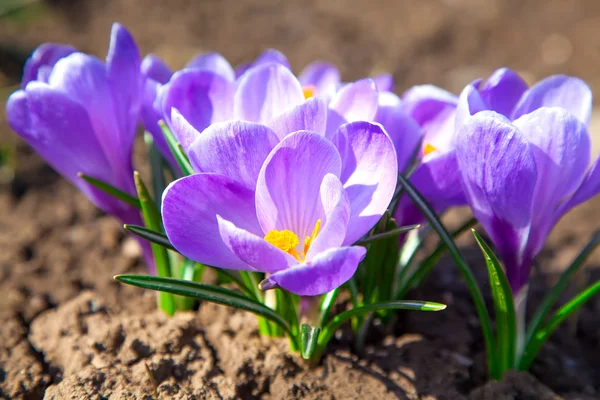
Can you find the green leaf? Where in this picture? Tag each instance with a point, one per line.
(235, 277)
(176, 149)
(152, 236)
(541, 336)
(310, 336)
(504, 307)
(202, 291)
(156, 164)
(386, 235)
(327, 302)
(482, 312)
(153, 222)
(336, 322)
(111, 190)
(554, 293)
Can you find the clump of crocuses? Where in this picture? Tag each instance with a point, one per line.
(295, 188)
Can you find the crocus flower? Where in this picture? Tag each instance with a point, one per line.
(80, 115)
(525, 164)
(278, 196)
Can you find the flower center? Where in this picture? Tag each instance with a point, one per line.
(428, 149)
(287, 241)
(309, 91)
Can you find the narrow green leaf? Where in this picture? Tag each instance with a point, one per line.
(310, 336)
(111, 190)
(386, 235)
(152, 236)
(327, 302)
(536, 342)
(156, 164)
(235, 277)
(554, 293)
(482, 312)
(176, 149)
(504, 307)
(336, 322)
(153, 222)
(202, 291)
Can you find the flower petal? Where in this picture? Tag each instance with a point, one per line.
(272, 56)
(561, 147)
(469, 103)
(336, 207)
(502, 90)
(59, 129)
(126, 84)
(236, 149)
(253, 249)
(589, 188)
(202, 97)
(189, 208)
(499, 176)
(265, 92)
(369, 174)
(44, 57)
(154, 68)
(308, 116)
(402, 129)
(150, 117)
(324, 76)
(356, 101)
(325, 272)
(183, 131)
(287, 191)
(384, 82)
(213, 62)
(572, 94)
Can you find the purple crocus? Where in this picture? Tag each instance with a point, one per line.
(525, 163)
(278, 196)
(80, 115)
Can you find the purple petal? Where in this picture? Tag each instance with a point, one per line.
(265, 92)
(324, 76)
(499, 176)
(589, 188)
(150, 117)
(308, 116)
(183, 131)
(561, 147)
(369, 174)
(402, 129)
(190, 207)
(213, 62)
(336, 207)
(202, 97)
(470, 103)
(236, 149)
(59, 129)
(384, 82)
(288, 187)
(572, 94)
(241, 69)
(154, 68)
(272, 56)
(126, 84)
(253, 249)
(325, 272)
(354, 102)
(502, 91)
(434, 110)
(44, 57)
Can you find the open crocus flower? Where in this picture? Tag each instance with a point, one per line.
(290, 207)
(268, 94)
(521, 177)
(80, 115)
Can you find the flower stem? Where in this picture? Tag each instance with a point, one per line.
(309, 311)
(520, 301)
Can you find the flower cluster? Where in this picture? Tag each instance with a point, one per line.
(288, 184)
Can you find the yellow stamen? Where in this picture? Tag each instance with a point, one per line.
(309, 91)
(288, 240)
(428, 149)
(308, 240)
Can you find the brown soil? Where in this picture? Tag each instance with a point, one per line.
(69, 331)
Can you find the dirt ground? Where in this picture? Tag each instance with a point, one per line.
(69, 331)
